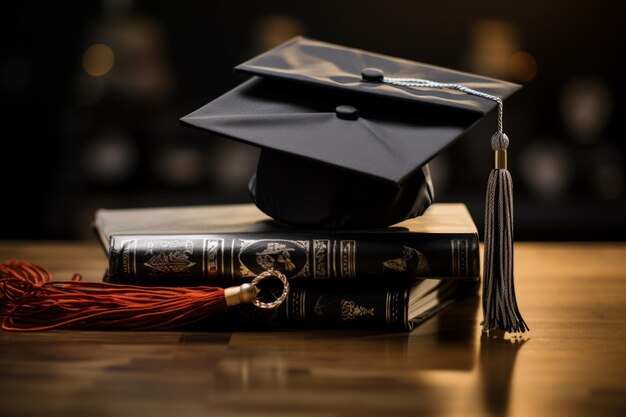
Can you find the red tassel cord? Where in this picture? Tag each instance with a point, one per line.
(31, 301)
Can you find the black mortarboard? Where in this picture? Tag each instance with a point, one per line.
(340, 149)
(345, 136)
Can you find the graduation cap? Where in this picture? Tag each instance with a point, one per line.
(345, 138)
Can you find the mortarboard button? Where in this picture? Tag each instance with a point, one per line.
(372, 75)
(347, 112)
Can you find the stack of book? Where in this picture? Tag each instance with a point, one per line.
(391, 278)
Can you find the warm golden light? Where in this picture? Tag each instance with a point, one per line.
(493, 42)
(523, 66)
(98, 59)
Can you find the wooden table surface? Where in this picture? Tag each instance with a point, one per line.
(572, 363)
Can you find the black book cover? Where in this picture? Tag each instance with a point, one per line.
(201, 245)
(399, 305)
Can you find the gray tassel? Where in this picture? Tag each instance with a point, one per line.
(500, 309)
(499, 304)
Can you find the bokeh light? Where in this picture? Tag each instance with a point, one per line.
(179, 166)
(110, 157)
(274, 29)
(523, 66)
(493, 43)
(546, 169)
(586, 105)
(98, 60)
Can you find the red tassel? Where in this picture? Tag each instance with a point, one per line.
(31, 301)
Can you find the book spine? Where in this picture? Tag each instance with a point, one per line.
(201, 259)
(313, 304)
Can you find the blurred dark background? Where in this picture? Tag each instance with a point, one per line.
(92, 92)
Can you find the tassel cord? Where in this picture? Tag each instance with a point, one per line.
(105, 317)
(31, 301)
(420, 83)
(500, 308)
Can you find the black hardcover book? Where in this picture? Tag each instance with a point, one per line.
(396, 305)
(203, 245)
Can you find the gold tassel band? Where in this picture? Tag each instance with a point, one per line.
(242, 294)
(500, 159)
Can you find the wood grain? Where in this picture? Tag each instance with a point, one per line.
(571, 364)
